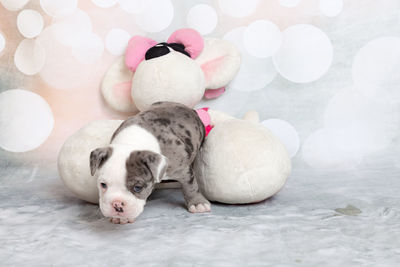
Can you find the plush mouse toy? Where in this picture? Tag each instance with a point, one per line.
(183, 69)
(240, 160)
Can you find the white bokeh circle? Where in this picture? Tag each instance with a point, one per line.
(59, 8)
(62, 70)
(156, 17)
(30, 23)
(254, 73)
(29, 57)
(351, 109)
(89, 50)
(134, 6)
(289, 3)
(72, 29)
(262, 38)
(355, 127)
(202, 18)
(26, 120)
(285, 132)
(305, 54)
(13, 5)
(2, 42)
(333, 148)
(331, 8)
(238, 8)
(376, 69)
(116, 41)
(104, 3)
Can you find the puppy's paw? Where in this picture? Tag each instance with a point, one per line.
(121, 220)
(200, 208)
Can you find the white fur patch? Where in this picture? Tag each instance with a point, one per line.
(136, 138)
(113, 172)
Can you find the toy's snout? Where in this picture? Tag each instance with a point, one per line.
(162, 49)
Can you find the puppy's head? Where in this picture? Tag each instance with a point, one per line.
(125, 178)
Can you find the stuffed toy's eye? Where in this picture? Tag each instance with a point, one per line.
(162, 49)
(137, 188)
(103, 185)
(156, 51)
(179, 48)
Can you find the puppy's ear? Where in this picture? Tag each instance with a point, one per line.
(98, 157)
(153, 162)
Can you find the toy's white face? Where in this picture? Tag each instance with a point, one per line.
(115, 200)
(171, 77)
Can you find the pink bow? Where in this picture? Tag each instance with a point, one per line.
(138, 46)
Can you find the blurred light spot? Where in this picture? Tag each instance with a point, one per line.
(376, 69)
(29, 57)
(13, 5)
(289, 3)
(116, 41)
(89, 50)
(2, 42)
(72, 29)
(30, 23)
(134, 6)
(305, 54)
(104, 3)
(331, 8)
(254, 73)
(202, 18)
(156, 17)
(59, 8)
(64, 71)
(285, 132)
(238, 8)
(262, 38)
(26, 120)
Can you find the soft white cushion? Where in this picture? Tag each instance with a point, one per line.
(241, 162)
(73, 159)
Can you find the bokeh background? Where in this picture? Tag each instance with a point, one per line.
(323, 74)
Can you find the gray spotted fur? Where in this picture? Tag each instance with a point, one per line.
(180, 133)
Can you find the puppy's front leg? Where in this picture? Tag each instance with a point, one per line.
(195, 200)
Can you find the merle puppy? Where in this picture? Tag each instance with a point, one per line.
(158, 144)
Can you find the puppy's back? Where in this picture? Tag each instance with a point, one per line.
(177, 128)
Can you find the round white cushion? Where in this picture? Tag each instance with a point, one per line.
(241, 162)
(73, 159)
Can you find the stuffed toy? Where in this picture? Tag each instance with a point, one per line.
(183, 69)
(240, 160)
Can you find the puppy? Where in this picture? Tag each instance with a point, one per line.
(158, 144)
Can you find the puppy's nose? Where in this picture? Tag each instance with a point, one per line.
(118, 205)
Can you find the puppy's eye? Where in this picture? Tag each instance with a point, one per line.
(103, 185)
(137, 188)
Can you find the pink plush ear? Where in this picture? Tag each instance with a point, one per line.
(136, 50)
(220, 61)
(190, 38)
